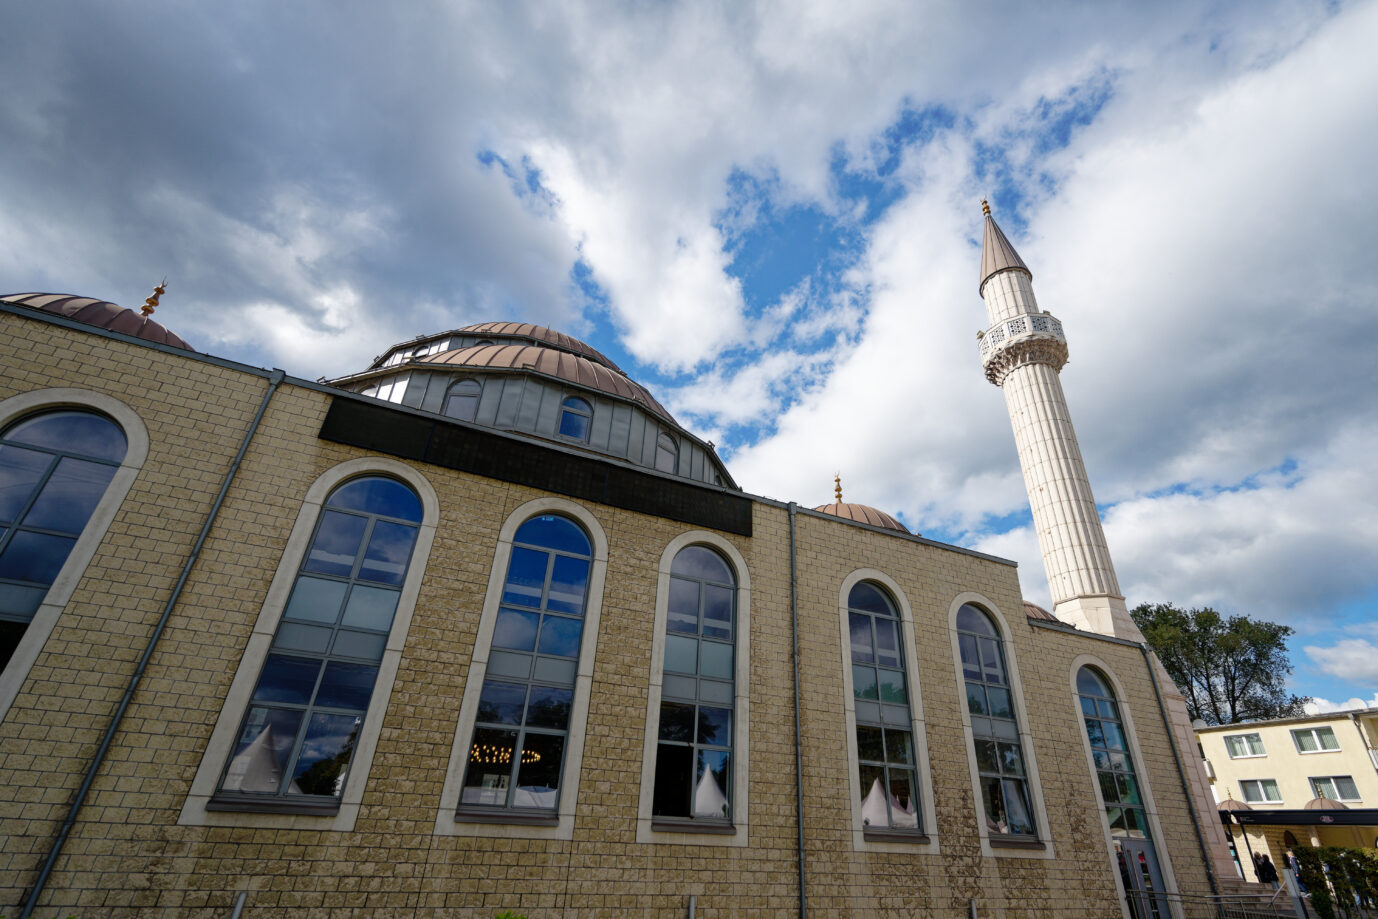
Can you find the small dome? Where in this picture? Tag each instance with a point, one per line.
(538, 333)
(1324, 804)
(862, 513)
(101, 314)
(1034, 611)
(1232, 805)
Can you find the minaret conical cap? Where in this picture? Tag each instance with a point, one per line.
(997, 254)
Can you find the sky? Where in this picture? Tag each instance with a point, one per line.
(769, 214)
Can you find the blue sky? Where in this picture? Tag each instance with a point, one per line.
(769, 214)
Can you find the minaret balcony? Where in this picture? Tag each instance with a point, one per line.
(1025, 339)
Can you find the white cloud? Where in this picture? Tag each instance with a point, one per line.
(1319, 706)
(1352, 659)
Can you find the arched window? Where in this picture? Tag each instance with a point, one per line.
(994, 725)
(694, 751)
(516, 756)
(303, 720)
(667, 453)
(576, 417)
(462, 400)
(884, 738)
(1120, 793)
(54, 469)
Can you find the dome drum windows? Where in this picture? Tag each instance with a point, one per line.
(994, 727)
(461, 400)
(302, 725)
(694, 748)
(517, 752)
(54, 471)
(667, 454)
(576, 418)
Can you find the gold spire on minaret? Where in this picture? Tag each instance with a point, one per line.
(152, 302)
(837, 486)
(985, 207)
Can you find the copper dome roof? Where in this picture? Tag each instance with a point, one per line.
(1034, 611)
(1231, 804)
(862, 513)
(102, 315)
(539, 333)
(1324, 804)
(581, 371)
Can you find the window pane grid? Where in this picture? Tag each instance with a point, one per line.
(994, 727)
(1315, 740)
(336, 622)
(1335, 787)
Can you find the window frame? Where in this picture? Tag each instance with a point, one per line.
(650, 829)
(197, 810)
(925, 840)
(1315, 733)
(452, 391)
(59, 594)
(1313, 779)
(1262, 798)
(1244, 738)
(1040, 847)
(584, 413)
(666, 444)
(449, 821)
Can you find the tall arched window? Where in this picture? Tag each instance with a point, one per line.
(303, 720)
(54, 469)
(694, 752)
(667, 453)
(576, 418)
(1120, 794)
(461, 401)
(516, 756)
(994, 726)
(884, 736)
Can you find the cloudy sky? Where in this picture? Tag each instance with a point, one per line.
(769, 213)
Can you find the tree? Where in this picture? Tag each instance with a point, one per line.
(1229, 669)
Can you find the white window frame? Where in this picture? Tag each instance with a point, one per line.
(1333, 784)
(447, 822)
(1045, 836)
(224, 734)
(1150, 805)
(60, 592)
(1244, 738)
(1262, 792)
(741, 731)
(1316, 734)
(918, 724)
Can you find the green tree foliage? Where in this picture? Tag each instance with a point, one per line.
(1230, 669)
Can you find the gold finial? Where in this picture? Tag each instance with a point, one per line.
(985, 207)
(152, 302)
(837, 487)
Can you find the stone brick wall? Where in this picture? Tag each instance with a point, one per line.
(128, 854)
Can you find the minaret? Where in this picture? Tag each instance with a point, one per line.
(1022, 352)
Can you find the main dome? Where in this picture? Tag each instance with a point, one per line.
(862, 513)
(102, 314)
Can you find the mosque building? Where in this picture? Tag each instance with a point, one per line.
(482, 627)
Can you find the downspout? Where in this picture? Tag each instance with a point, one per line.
(274, 380)
(798, 735)
(1181, 773)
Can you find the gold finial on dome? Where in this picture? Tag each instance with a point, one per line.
(837, 486)
(152, 302)
(985, 207)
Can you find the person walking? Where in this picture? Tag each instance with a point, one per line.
(1267, 872)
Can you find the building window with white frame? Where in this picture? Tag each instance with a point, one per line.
(576, 418)
(1315, 740)
(54, 470)
(884, 737)
(1260, 791)
(298, 736)
(1244, 746)
(994, 726)
(693, 766)
(1335, 787)
(516, 757)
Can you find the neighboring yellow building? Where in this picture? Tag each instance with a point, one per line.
(1311, 780)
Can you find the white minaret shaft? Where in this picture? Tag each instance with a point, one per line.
(1022, 353)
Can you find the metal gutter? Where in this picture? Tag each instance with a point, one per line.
(274, 381)
(1181, 773)
(798, 734)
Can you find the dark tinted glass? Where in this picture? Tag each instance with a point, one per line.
(560, 636)
(1090, 684)
(80, 433)
(702, 562)
(287, 679)
(70, 495)
(324, 758)
(20, 472)
(549, 707)
(389, 549)
(553, 532)
(35, 557)
(676, 722)
(336, 544)
(346, 685)
(501, 703)
(868, 598)
(377, 495)
(971, 619)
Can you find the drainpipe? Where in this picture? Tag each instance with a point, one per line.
(798, 736)
(274, 380)
(1181, 774)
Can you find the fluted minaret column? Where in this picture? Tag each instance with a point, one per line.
(1022, 352)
